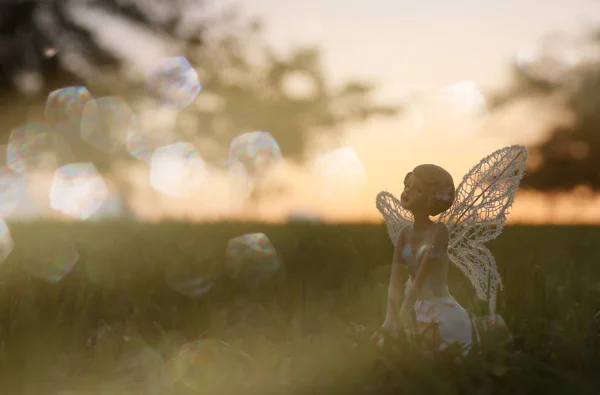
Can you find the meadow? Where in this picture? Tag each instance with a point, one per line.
(115, 324)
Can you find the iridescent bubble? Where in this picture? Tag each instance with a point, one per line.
(174, 81)
(78, 190)
(257, 151)
(6, 241)
(240, 182)
(199, 364)
(191, 287)
(176, 169)
(142, 368)
(106, 122)
(191, 280)
(30, 146)
(51, 257)
(340, 173)
(12, 191)
(67, 103)
(154, 130)
(69, 129)
(464, 98)
(251, 259)
(141, 145)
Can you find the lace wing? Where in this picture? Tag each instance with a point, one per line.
(485, 194)
(479, 265)
(395, 216)
(479, 212)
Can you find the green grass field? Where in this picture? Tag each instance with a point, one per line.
(113, 325)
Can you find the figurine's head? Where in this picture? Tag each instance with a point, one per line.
(428, 189)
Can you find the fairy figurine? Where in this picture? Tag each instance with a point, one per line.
(469, 216)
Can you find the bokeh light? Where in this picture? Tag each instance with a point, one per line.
(199, 363)
(192, 280)
(67, 104)
(340, 173)
(173, 81)
(464, 98)
(78, 190)
(69, 129)
(299, 85)
(191, 287)
(106, 122)
(13, 188)
(257, 151)
(241, 182)
(155, 129)
(176, 169)
(141, 369)
(6, 241)
(251, 259)
(29, 147)
(52, 257)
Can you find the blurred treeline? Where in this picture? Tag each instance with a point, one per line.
(248, 86)
(565, 69)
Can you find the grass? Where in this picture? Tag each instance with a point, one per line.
(113, 325)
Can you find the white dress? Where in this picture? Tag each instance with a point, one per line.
(450, 319)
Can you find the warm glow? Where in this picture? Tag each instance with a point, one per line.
(387, 151)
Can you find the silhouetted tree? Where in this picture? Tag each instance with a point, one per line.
(570, 155)
(50, 44)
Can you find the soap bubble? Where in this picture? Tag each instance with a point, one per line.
(174, 81)
(192, 279)
(238, 177)
(13, 189)
(257, 151)
(141, 368)
(191, 286)
(463, 106)
(67, 104)
(251, 259)
(51, 256)
(176, 169)
(340, 173)
(464, 98)
(78, 190)
(154, 130)
(106, 122)
(199, 365)
(31, 146)
(6, 241)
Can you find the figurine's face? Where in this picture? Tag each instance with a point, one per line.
(416, 194)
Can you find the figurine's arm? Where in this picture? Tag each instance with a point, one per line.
(429, 261)
(395, 286)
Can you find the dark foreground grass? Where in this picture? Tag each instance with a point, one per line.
(113, 325)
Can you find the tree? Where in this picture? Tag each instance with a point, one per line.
(245, 83)
(570, 155)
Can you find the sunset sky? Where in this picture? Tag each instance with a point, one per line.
(410, 45)
(410, 49)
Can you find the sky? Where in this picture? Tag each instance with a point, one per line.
(409, 49)
(409, 45)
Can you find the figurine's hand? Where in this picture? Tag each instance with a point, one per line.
(389, 328)
(377, 338)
